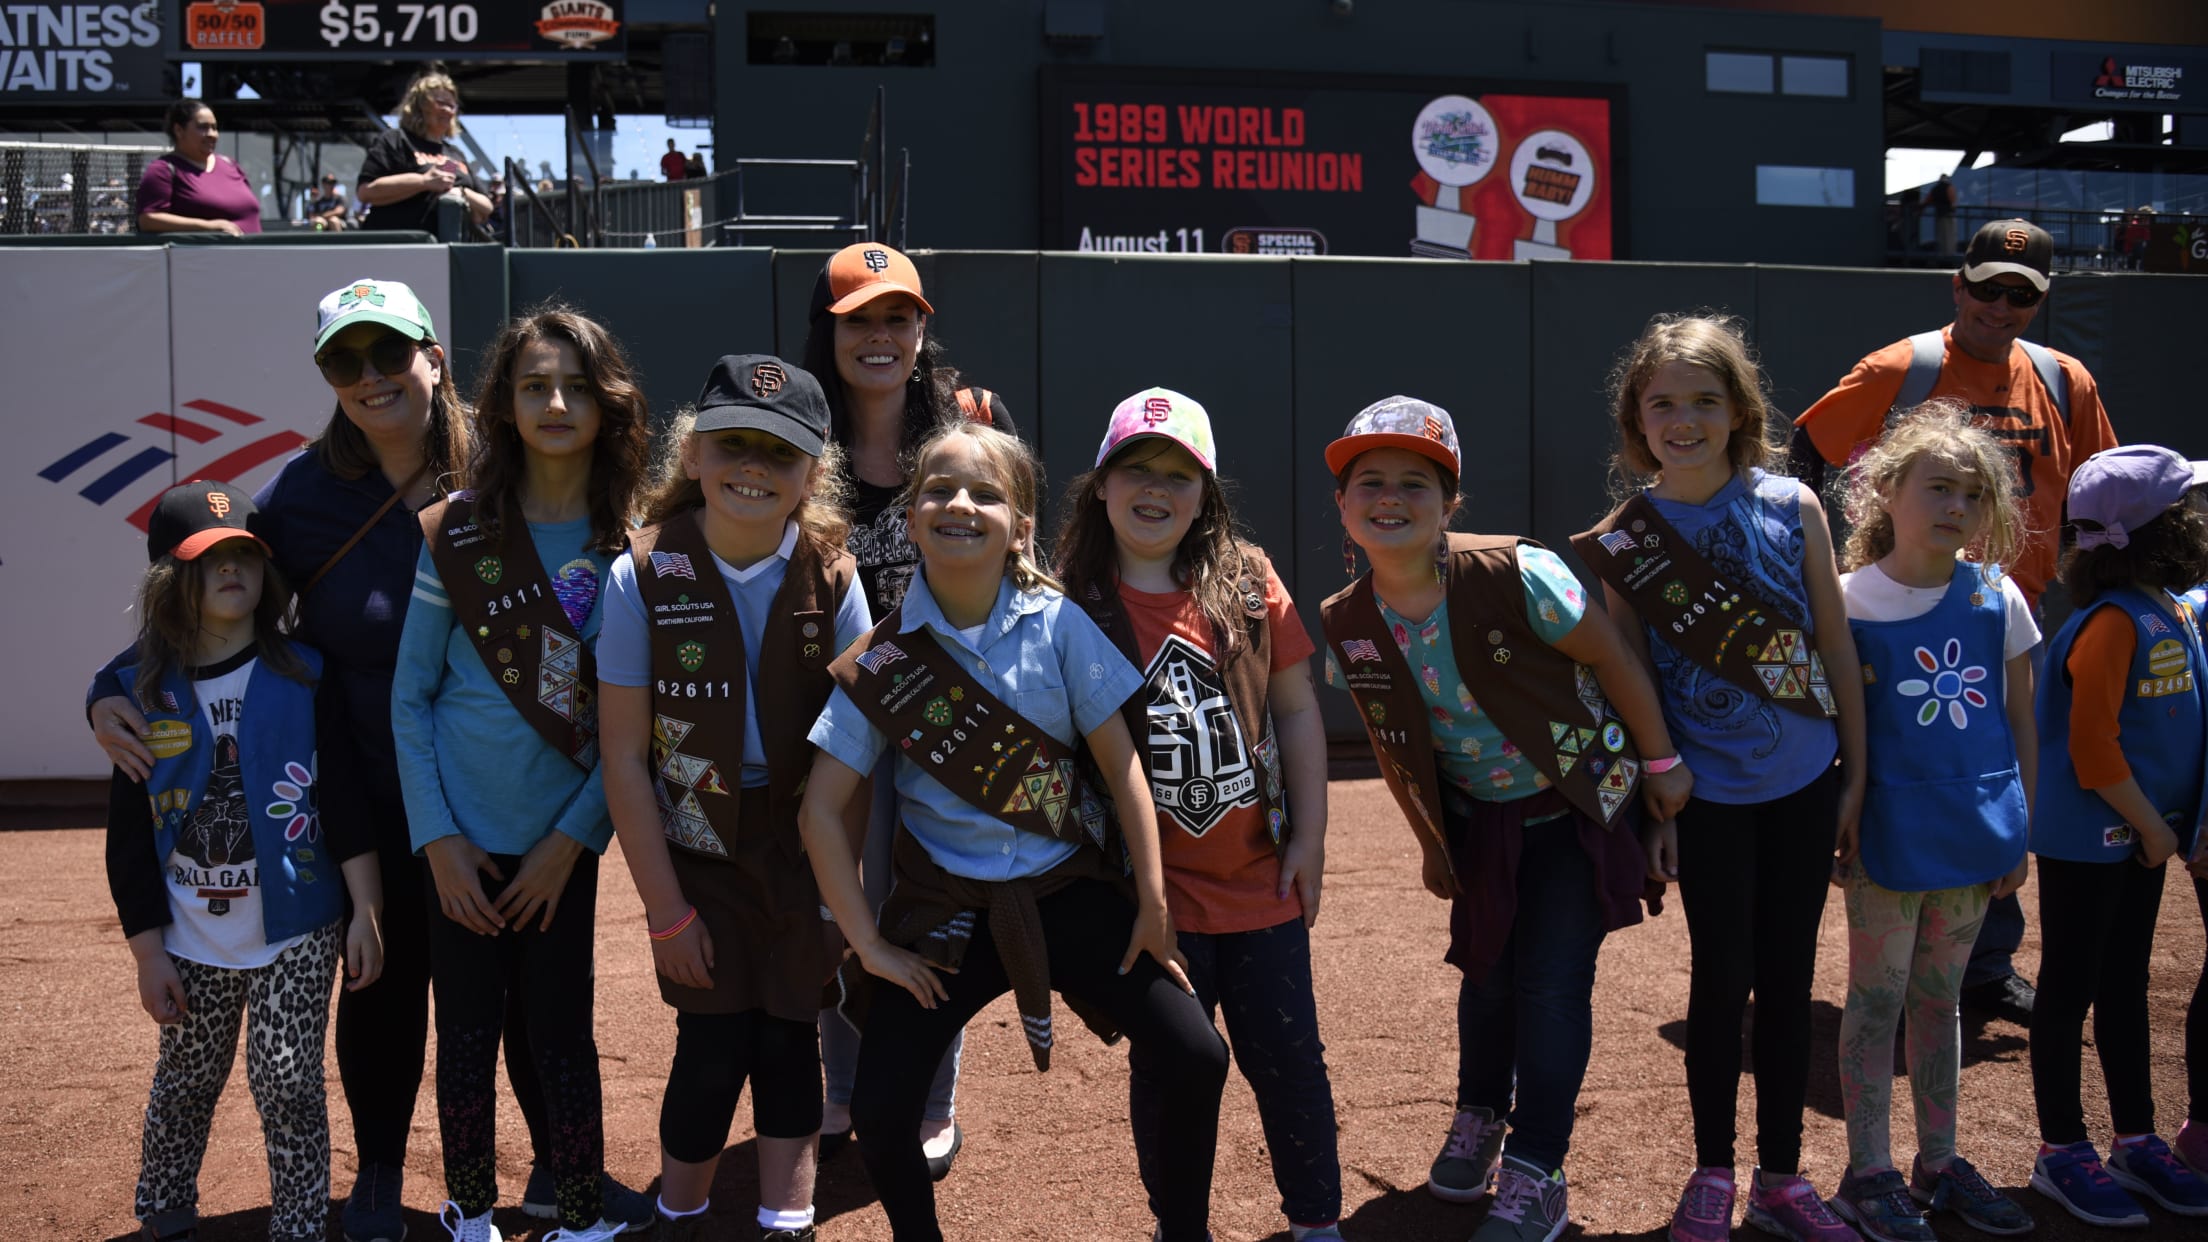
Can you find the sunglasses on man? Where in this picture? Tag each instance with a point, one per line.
(2022, 297)
(390, 354)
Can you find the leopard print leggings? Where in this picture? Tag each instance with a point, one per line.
(288, 1001)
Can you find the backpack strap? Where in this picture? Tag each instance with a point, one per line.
(974, 403)
(2050, 376)
(1927, 350)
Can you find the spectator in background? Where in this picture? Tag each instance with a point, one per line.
(1943, 215)
(694, 168)
(328, 212)
(671, 165)
(2132, 242)
(501, 221)
(410, 168)
(193, 188)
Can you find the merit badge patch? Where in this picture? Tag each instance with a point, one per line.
(490, 569)
(1675, 593)
(937, 712)
(168, 738)
(691, 656)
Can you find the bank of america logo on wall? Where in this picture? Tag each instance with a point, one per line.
(104, 466)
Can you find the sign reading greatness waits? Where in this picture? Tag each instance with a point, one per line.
(1164, 160)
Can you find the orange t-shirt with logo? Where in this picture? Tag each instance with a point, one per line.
(2008, 401)
(1220, 871)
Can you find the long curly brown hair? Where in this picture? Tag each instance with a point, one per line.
(619, 456)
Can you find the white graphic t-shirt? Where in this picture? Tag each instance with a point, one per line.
(214, 879)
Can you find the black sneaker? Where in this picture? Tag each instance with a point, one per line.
(372, 1211)
(620, 1205)
(2009, 997)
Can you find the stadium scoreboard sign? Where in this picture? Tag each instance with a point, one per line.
(1174, 161)
(400, 30)
(58, 50)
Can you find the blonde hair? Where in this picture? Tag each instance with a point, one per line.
(1716, 343)
(1017, 470)
(824, 516)
(412, 104)
(1939, 430)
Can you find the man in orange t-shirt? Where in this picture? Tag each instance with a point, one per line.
(1998, 292)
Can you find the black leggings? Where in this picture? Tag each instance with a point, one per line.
(1752, 878)
(2096, 932)
(1086, 925)
(383, 1031)
(714, 1054)
(2196, 1027)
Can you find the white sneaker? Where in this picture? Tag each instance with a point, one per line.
(465, 1228)
(604, 1231)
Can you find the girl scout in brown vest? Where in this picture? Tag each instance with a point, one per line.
(1515, 730)
(723, 617)
(985, 678)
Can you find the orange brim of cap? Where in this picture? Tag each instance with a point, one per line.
(876, 289)
(199, 541)
(1349, 448)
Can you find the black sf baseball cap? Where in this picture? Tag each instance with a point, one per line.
(2017, 246)
(763, 392)
(193, 517)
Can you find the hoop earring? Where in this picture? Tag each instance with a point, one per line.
(1349, 556)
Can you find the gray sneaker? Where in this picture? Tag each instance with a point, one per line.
(631, 1209)
(1465, 1170)
(372, 1211)
(1529, 1205)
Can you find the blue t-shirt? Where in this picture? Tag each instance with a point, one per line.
(468, 762)
(625, 647)
(1042, 656)
(1473, 756)
(1743, 747)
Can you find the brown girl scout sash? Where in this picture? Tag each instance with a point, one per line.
(1736, 634)
(1247, 677)
(506, 603)
(699, 678)
(1542, 700)
(968, 739)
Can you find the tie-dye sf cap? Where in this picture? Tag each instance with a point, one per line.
(1166, 414)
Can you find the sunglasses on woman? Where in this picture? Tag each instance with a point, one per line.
(390, 354)
(2022, 297)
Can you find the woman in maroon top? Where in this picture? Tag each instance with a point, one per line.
(192, 189)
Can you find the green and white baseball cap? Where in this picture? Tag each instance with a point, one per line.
(388, 302)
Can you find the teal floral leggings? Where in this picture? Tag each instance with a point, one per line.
(1905, 950)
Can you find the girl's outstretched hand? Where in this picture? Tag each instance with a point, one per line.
(1154, 935)
(363, 949)
(1302, 871)
(1437, 875)
(457, 865)
(120, 729)
(907, 970)
(161, 989)
(686, 957)
(1661, 839)
(1664, 793)
(2014, 880)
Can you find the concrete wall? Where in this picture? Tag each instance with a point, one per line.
(1689, 157)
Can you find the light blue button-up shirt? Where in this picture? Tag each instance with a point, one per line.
(1043, 657)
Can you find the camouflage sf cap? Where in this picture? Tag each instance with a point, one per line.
(1398, 422)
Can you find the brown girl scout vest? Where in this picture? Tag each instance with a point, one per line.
(1248, 678)
(1543, 701)
(699, 677)
(1747, 640)
(504, 600)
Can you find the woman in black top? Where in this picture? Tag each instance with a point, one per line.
(887, 387)
(409, 168)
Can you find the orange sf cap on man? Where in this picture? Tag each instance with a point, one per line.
(856, 275)
(193, 517)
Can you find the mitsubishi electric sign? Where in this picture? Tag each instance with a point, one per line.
(2154, 80)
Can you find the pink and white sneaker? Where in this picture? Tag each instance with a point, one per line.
(1789, 1207)
(1705, 1211)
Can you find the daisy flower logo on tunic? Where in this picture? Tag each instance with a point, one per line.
(295, 801)
(1949, 687)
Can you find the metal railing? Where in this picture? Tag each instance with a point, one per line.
(2084, 240)
(54, 188)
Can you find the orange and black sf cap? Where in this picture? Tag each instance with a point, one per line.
(858, 274)
(193, 517)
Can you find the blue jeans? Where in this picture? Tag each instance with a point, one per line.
(1531, 1020)
(1262, 980)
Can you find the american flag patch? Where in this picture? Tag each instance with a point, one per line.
(1617, 543)
(1361, 649)
(879, 657)
(673, 565)
(2154, 623)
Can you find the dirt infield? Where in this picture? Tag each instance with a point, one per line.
(1046, 1156)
